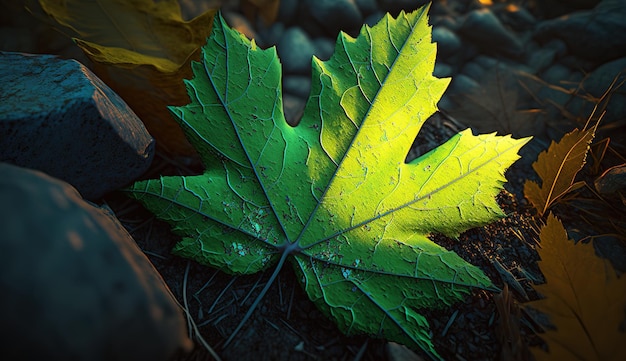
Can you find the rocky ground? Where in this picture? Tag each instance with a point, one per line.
(518, 67)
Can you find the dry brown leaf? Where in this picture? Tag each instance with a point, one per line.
(557, 167)
(496, 106)
(142, 50)
(583, 298)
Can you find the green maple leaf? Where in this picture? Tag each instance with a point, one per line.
(334, 195)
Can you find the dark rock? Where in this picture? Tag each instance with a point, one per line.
(295, 50)
(298, 85)
(443, 70)
(486, 62)
(58, 117)
(578, 63)
(446, 102)
(335, 15)
(559, 47)
(552, 102)
(482, 65)
(76, 286)
(272, 34)
(398, 352)
(611, 248)
(448, 22)
(462, 84)
(554, 8)
(395, 6)
(287, 11)
(596, 84)
(518, 18)
(574, 97)
(294, 107)
(580, 4)
(324, 48)
(468, 52)
(440, 8)
(367, 7)
(306, 21)
(541, 58)
(612, 180)
(556, 73)
(484, 29)
(374, 18)
(473, 70)
(598, 34)
(448, 43)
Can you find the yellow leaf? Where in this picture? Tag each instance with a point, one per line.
(557, 167)
(583, 298)
(142, 49)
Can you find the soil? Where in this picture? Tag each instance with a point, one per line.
(287, 326)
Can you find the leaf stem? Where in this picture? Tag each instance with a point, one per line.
(258, 299)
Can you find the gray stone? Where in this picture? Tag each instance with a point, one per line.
(598, 34)
(482, 65)
(448, 43)
(374, 18)
(517, 17)
(335, 15)
(314, 29)
(483, 28)
(449, 22)
(398, 352)
(446, 102)
(556, 73)
(486, 62)
(324, 48)
(581, 4)
(298, 85)
(611, 248)
(462, 84)
(75, 285)
(612, 180)
(443, 70)
(439, 9)
(272, 34)
(576, 62)
(473, 70)
(294, 107)
(552, 100)
(395, 6)
(58, 117)
(559, 47)
(295, 50)
(550, 9)
(599, 80)
(287, 11)
(541, 58)
(596, 84)
(367, 7)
